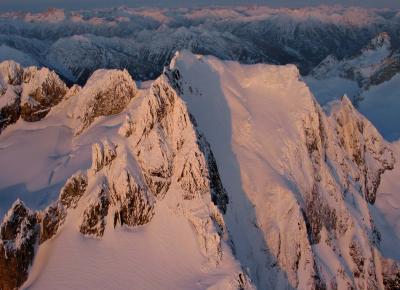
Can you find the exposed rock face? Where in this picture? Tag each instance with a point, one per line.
(102, 155)
(134, 203)
(11, 75)
(122, 193)
(391, 275)
(41, 90)
(73, 190)
(10, 113)
(18, 238)
(348, 157)
(93, 222)
(54, 215)
(29, 93)
(107, 92)
(167, 142)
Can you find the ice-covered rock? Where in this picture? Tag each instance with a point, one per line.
(11, 75)
(54, 215)
(107, 92)
(29, 93)
(19, 234)
(41, 90)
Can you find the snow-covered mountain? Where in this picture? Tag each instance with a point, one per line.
(216, 175)
(76, 43)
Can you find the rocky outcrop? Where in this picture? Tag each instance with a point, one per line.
(93, 222)
(107, 92)
(391, 275)
(386, 71)
(11, 75)
(10, 110)
(19, 234)
(102, 155)
(27, 93)
(54, 215)
(41, 90)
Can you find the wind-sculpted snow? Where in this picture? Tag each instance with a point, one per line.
(76, 43)
(308, 176)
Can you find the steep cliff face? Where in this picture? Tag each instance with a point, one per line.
(309, 175)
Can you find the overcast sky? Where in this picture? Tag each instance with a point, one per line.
(37, 5)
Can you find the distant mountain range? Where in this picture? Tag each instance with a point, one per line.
(144, 40)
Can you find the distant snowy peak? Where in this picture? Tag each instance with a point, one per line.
(382, 40)
(366, 67)
(52, 15)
